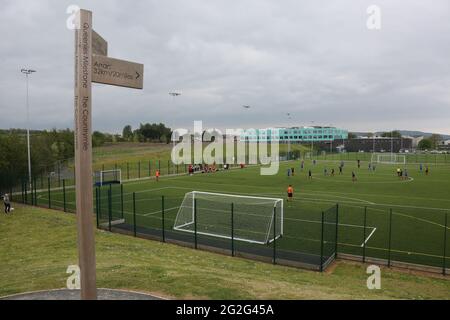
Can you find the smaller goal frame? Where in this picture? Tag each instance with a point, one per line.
(279, 215)
(100, 174)
(393, 158)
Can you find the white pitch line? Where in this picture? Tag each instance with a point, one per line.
(159, 211)
(365, 241)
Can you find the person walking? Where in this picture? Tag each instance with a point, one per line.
(7, 203)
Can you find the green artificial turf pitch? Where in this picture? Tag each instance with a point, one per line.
(415, 232)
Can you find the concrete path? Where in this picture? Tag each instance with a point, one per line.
(66, 294)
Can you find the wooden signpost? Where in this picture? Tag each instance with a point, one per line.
(92, 65)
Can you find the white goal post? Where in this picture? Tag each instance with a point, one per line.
(243, 218)
(107, 177)
(388, 158)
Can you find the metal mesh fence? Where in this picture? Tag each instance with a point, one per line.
(389, 234)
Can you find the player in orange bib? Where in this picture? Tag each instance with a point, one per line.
(290, 193)
(157, 175)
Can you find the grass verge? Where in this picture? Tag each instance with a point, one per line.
(39, 244)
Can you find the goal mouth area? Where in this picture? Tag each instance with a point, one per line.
(104, 183)
(107, 177)
(215, 235)
(251, 219)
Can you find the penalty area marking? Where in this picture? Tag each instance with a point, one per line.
(410, 179)
(367, 239)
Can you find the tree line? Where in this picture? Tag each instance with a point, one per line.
(148, 132)
(48, 148)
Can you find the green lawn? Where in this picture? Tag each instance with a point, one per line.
(38, 245)
(415, 232)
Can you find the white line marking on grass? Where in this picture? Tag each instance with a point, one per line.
(239, 185)
(367, 239)
(159, 211)
(366, 182)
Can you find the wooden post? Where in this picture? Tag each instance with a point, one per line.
(83, 155)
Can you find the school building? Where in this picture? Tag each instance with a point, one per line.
(294, 134)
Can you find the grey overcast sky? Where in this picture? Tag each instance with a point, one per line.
(316, 60)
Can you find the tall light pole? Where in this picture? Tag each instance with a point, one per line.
(392, 145)
(28, 72)
(312, 138)
(373, 142)
(289, 139)
(332, 137)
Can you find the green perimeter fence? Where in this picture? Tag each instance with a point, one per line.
(153, 217)
(147, 168)
(394, 236)
(413, 237)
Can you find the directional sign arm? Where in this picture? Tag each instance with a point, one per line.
(117, 72)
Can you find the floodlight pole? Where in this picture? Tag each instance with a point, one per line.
(312, 139)
(289, 143)
(27, 72)
(373, 142)
(392, 144)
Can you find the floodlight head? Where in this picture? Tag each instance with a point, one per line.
(27, 71)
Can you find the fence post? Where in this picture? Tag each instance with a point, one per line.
(31, 191)
(64, 194)
(35, 192)
(195, 223)
(149, 168)
(364, 234)
(274, 235)
(121, 200)
(321, 245)
(134, 213)
(96, 204)
(139, 169)
(109, 209)
(22, 194)
(49, 194)
(337, 224)
(390, 237)
(162, 220)
(59, 175)
(444, 267)
(232, 229)
(26, 191)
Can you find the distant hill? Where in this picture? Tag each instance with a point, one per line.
(407, 133)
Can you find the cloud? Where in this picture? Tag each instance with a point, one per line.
(318, 62)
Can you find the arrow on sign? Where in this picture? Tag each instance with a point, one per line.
(117, 72)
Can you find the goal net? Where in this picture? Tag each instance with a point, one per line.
(245, 218)
(107, 177)
(388, 158)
